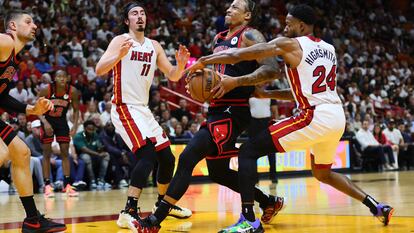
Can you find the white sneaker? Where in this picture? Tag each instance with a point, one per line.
(177, 212)
(123, 183)
(125, 218)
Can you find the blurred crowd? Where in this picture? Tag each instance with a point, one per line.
(373, 39)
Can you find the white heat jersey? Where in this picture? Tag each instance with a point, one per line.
(133, 75)
(313, 81)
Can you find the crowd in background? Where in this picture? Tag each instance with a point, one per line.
(373, 39)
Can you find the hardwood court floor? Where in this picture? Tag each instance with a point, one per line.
(310, 207)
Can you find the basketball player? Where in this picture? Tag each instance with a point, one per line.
(134, 59)
(20, 29)
(62, 95)
(311, 68)
(227, 118)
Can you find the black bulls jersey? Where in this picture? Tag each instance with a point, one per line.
(61, 102)
(7, 70)
(240, 94)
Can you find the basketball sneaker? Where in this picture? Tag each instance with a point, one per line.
(384, 213)
(70, 191)
(147, 225)
(176, 212)
(275, 205)
(126, 216)
(49, 191)
(41, 224)
(244, 226)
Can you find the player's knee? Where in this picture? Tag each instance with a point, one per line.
(323, 175)
(24, 156)
(166, 158)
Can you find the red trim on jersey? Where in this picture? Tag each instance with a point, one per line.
(290, 125)
(63, 139)
(297, 88)
(227, 37)
(313, 38)
(130, 127)
(162, 146)
(5, 132)
(241, 37)
(117, 84)
(320, 166)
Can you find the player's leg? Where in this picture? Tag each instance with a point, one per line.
(321, 161)
(166, 161)
(20, 159)
(219, 171)
(47, 152)
(64, 152)
(198, 147)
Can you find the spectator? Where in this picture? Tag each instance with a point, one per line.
(19, 92)
(42, 65)
(371, 147)
(122, 159)
(90, 150)
(106, 115)
(182, 111)
(406, 153)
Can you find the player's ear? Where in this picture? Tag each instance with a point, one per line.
(302, 27)
(126, 21)
(12, 25)
(248, 16)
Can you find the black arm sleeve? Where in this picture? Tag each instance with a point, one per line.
(10, 104)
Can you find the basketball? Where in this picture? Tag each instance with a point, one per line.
(201, 83)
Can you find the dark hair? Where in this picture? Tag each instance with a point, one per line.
(12, 15)
(87, 123)
(125, 10)
(254, 10)
(304, 13)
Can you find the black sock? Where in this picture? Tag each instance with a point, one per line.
(248, 213)
(66, 181)
(160, 197)
(47, 181)
(371, 203)
(162, 210)
(132, 203)
(29, 206)
(262, 198)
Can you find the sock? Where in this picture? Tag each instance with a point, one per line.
(29, 206)
(162, 210)
(248, 213)
(160, 197)
(371, 203)
(66, 181)
(132, 203)
(262, 198)
(47, 181)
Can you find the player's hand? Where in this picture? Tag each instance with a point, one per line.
(41, 106)
(226, 84)
(198, 65)
(181, 56)
(48, 129)
(72, 132)
(125, 46)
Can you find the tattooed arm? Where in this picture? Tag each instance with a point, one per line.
(268, 69)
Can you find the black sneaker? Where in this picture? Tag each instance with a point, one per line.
(384, 213)
(146, 225)
(275, 205)
(40, 224)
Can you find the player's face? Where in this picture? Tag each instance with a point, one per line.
(236, 14)
(137, 19)
(60, 78)
(25, 28)
(293, 27)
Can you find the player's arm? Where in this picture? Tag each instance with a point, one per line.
(75, 106)
(284, 94)
(116, 50)
(173, 73)
(277, 47)
(6, 46)
(268, 70)
(44, 93)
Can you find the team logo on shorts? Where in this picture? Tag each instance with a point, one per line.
(234, 40)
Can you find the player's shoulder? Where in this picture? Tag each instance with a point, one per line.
(120, 38)
(6, 42)
(253, 36)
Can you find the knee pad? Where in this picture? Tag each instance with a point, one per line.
(166, 161)
(145, 165)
